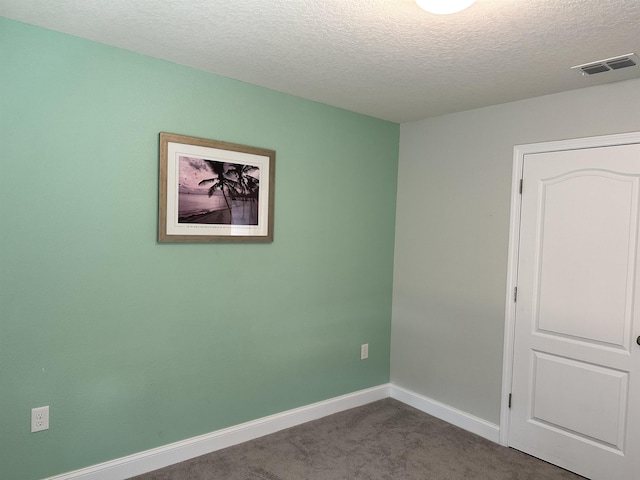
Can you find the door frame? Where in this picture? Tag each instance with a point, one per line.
(519, 152)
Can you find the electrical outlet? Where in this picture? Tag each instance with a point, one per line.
(364, 351)
(39, 419)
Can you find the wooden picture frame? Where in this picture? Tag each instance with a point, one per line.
(213, 191)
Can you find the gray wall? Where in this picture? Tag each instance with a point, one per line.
(452, 229)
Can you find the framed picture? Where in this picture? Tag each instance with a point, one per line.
(213, 191)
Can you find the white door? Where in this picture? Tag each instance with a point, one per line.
(576, 358)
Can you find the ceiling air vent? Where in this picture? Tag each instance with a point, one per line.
(608, 64)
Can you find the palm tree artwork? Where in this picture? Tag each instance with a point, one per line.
(236, 183)
(246, 185)
(220, 182)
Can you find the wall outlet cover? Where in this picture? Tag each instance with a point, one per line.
(39, 419)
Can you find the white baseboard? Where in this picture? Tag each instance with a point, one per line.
(160, 457)
(166, 455)
(451, 415)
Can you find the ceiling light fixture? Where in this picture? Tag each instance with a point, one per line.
(444, 7)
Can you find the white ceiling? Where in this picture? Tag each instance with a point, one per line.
(384, 58)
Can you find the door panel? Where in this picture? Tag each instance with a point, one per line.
(600, 414)
(570, 301)
(575, 363)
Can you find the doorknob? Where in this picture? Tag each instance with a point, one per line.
(638, 340)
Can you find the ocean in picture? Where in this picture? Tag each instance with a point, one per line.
(190, 204)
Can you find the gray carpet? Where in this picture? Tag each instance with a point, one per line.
(385, 440)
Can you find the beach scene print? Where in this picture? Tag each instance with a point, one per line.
(213, 192)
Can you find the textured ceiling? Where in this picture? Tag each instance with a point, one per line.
(384, 58)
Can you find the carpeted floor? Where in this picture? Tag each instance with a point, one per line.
(385, 440)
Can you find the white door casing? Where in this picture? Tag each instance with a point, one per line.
(572, 363)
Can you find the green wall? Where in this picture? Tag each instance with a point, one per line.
(136, 344)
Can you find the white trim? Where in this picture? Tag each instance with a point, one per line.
(160, 457)
(519, 153)
(510, 304)
(149, 460)
(456, 417)
(578, 143)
